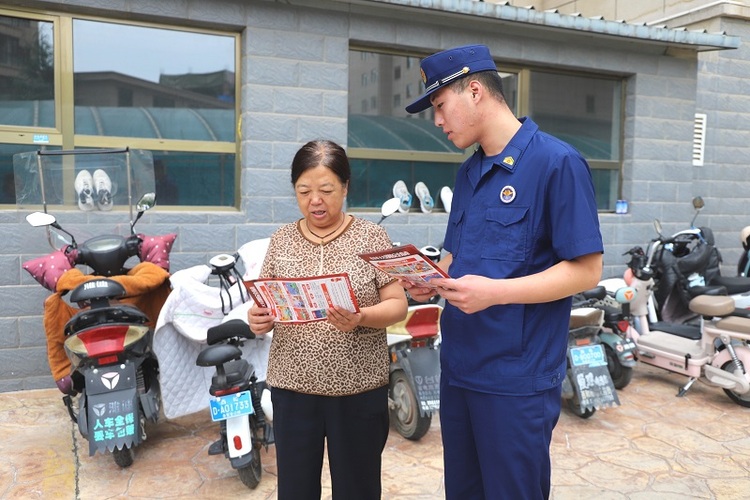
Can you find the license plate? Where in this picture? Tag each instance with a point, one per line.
(590, 355)
(233, 405)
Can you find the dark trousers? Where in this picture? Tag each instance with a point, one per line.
(354, 428)
(497, 447)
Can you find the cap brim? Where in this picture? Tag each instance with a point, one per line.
(420, 104)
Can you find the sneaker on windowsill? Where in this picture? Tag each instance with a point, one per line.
(84, 186)
(446, 196)
(426, 203)
(401, 192)
(103, 186)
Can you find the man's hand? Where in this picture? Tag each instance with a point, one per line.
(420, 294)
(469, 293)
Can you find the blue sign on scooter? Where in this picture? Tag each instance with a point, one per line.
(233, 405)
(590, 355)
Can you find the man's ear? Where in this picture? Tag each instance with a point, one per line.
(475, 88)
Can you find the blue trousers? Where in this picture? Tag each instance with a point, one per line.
(497, 446)
(355, 429)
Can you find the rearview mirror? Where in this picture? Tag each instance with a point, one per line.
(390, 207)
(39, 219)
(146, 202)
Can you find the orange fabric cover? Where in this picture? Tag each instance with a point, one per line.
(146, 285)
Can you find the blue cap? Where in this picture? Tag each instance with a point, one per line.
(445, 67)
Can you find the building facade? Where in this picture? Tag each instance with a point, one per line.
(223, 92)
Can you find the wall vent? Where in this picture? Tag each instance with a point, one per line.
(699, 139)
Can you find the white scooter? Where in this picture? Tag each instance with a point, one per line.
(719, 354)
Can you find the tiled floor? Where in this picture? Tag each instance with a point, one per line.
(654, 445)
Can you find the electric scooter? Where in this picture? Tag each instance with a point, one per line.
(715, 350)
(588, 384)
(414, 349)
(685, 265)
(113, 367)
(614, 336)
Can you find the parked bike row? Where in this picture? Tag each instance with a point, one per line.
(129, 359)
(126, 362)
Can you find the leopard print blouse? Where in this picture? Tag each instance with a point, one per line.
(316, 358)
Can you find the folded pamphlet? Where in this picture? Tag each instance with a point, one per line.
(301, 300)
(407, 263)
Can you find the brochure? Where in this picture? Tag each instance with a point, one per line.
(407, 263)
(301, 300)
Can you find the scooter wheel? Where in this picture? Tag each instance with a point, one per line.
(250, 474)
(405, 414)
(575, 407)
(123, 457)
(621, 375)
(740, 399)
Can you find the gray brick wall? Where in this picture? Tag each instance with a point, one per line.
(294, 88)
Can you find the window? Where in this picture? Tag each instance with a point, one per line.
(387, 144)
(588, 118)
(156, 88)
(181, 88)
(27, 90)
(27, 79)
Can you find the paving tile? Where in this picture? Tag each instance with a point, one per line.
(654, 445)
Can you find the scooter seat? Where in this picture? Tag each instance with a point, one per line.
(692, 332)
(733, 284)
(120, 313)
(709, 305)
(672, 345)
(218, 355)
(237, 372)
(234, 328)
(712, 289)
(734, 324)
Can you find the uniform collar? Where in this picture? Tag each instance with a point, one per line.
(511, 154)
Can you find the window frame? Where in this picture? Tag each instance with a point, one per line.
(522, 105)
(63, 134)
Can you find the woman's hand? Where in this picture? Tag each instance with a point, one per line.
(343, 319)
(260, 319)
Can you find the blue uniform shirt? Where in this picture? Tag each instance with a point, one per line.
(516, 214)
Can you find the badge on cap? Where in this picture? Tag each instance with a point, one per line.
(508, 194)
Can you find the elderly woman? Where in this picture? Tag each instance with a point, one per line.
(329, 378)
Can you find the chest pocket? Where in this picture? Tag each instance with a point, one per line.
(506, 234)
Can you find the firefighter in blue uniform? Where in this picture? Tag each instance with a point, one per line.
(522, 237)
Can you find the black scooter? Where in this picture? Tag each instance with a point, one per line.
(114, 370)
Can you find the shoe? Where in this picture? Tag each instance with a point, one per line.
(401, 192)
(446, 196)
(425, 200)
(84, 186)
(103, 187)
